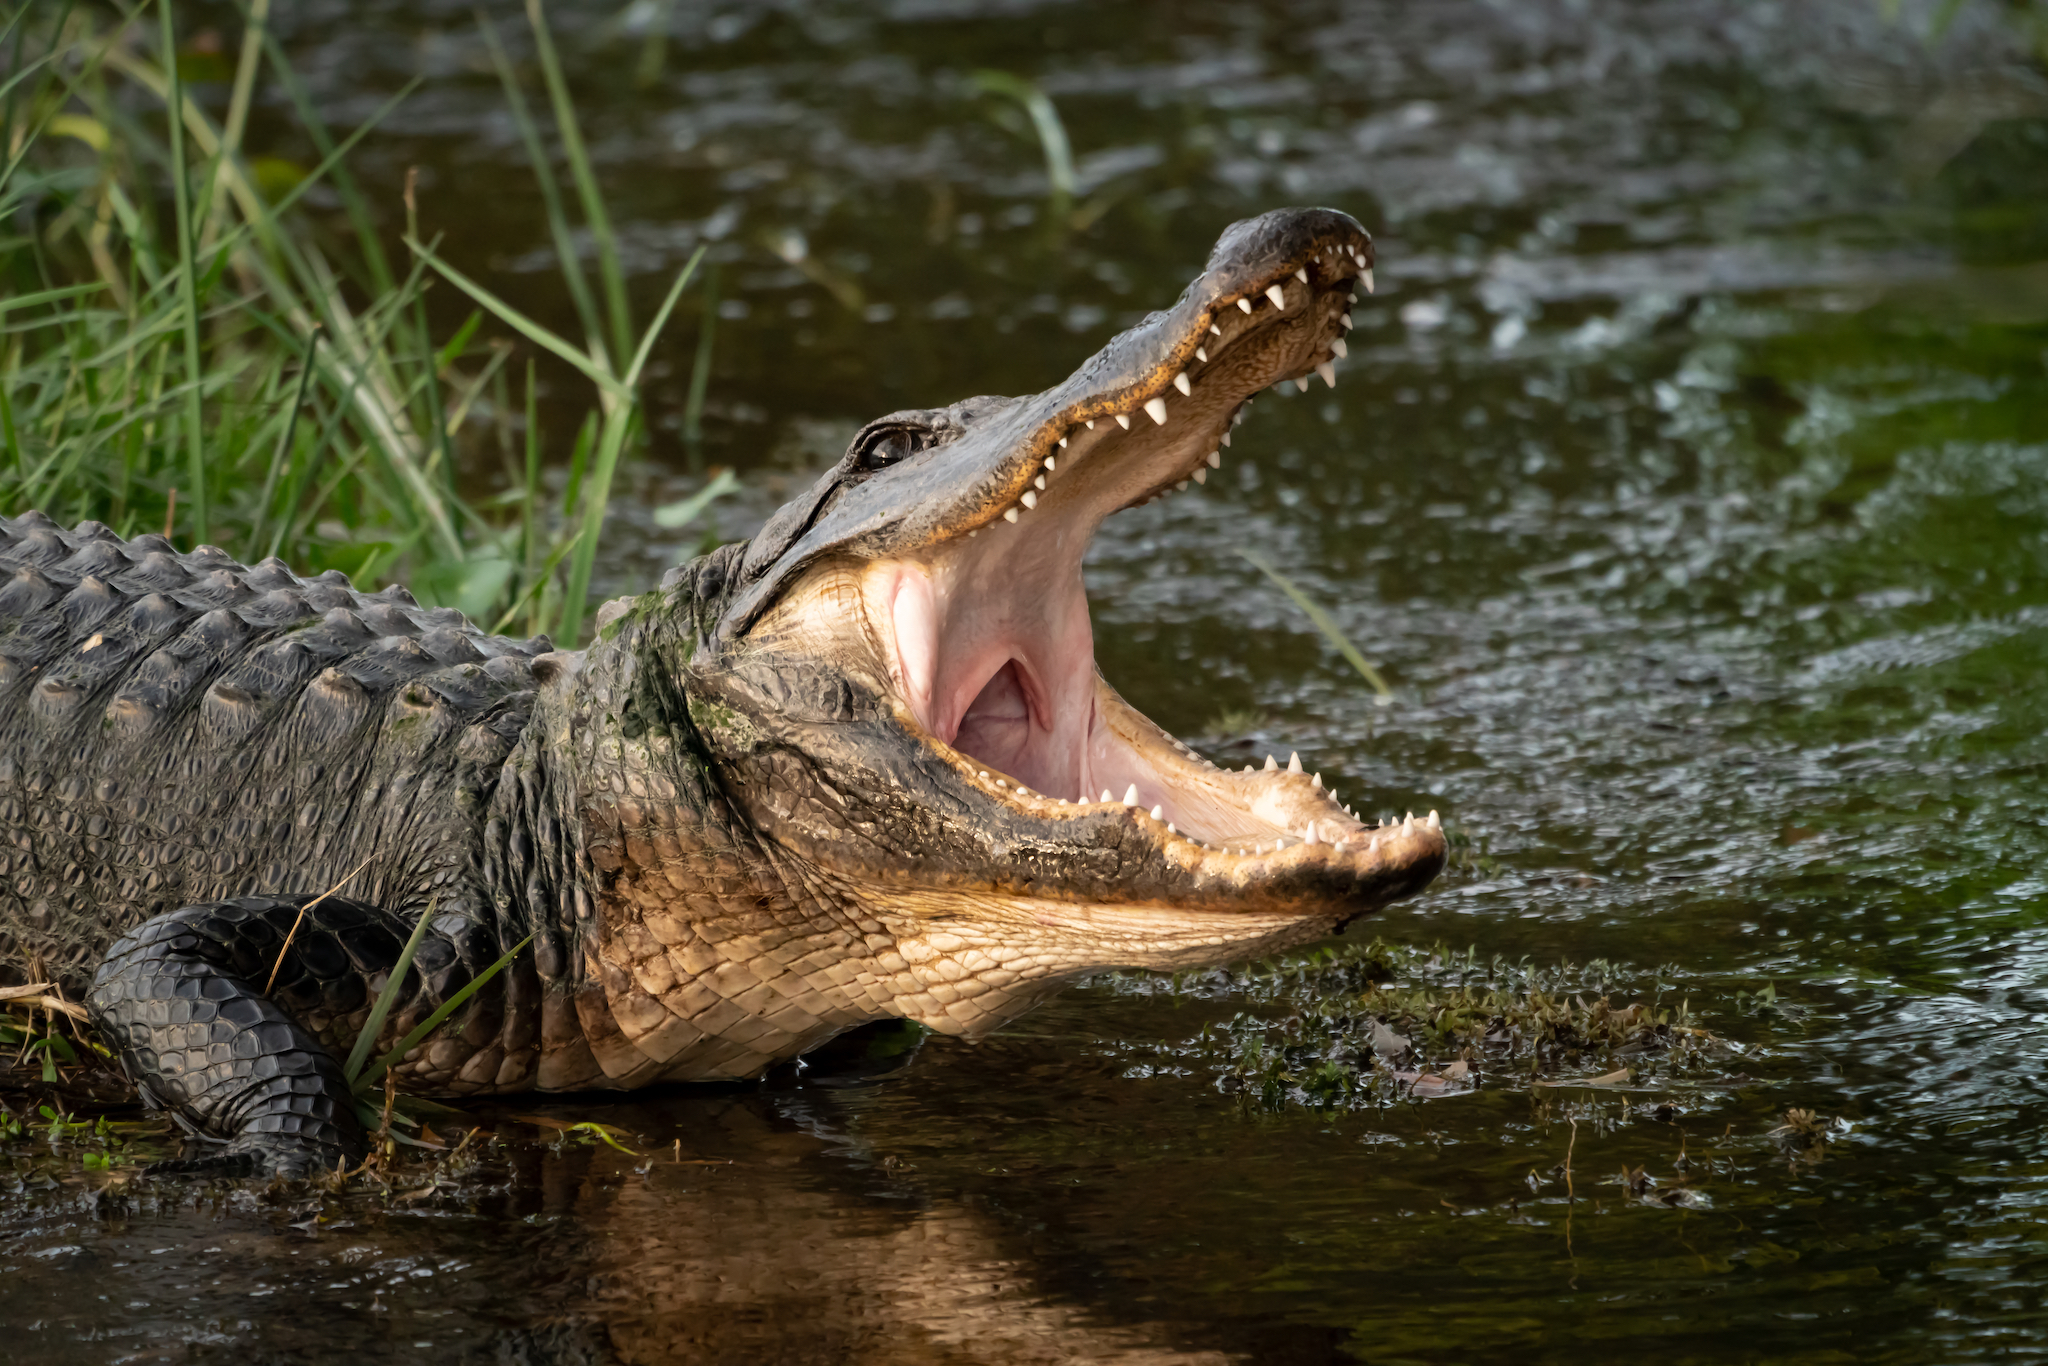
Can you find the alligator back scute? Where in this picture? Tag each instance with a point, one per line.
(182, 728)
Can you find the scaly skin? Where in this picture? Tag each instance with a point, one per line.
(735, 826)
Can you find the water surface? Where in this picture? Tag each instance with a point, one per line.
(1688, 480)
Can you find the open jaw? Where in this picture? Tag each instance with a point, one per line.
(984, 626)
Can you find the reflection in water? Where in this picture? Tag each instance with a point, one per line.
(1689, 481)
(761, 1261)
(742, 1245)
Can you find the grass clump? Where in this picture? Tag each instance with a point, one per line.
(1363, 1026)
(184, 351)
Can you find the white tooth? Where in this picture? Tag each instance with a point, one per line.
(1294, 763)
(1202, 354)
(1316, 781)
(1000, 783)
(1049, 460)
(1309, 836)
(1367, 277)
(1063, 446)
(1170, 830)
(1123, 420)
(1180, 382)
(1302, 274)
(1346, 320)
(1039, 481)
(1155, 408)
(1238, 416)
(1354, 296)
(1245, 304)
(972, 534)
(1338, 348)
(1063, 801)
(1030, 499)
(1216, 459)
(1201, 477)
(1217, 330)
(1247, 768)
(1131, 795)
(1158, 812)
(1010, 515)
(1277, 295)
(1226, 438)
(1271, 764)
(1409, 819)
(1329, 373)
(1089, 424)
(1181, 487)
(1105, 796)
(1434, 823)
(1301, 385)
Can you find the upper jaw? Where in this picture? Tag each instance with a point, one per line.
(1270, 307)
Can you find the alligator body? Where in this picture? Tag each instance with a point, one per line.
(862, 766)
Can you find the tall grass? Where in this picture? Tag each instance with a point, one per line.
(182, 350)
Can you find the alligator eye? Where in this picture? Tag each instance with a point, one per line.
(882, 447)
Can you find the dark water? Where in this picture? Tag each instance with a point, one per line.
(1689, 480)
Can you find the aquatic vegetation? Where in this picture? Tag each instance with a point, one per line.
(1369, 1024)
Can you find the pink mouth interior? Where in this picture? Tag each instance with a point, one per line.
(998, 660)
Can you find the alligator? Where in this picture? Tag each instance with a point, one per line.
(860, 766)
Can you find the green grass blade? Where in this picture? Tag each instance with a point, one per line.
(419, 1032)
(527, 327)
(188, 278)
(617, 423)
(580, 170)
(1323, 621)
(632, 379)
(380, 1010)
(684, 511)
(550, 192)
(1045, 121)
(48, 296)
(700, 367)
(282, 456)
(376, 264)
(256, 19)
(535, 587)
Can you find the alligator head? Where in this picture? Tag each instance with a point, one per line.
(898, 684)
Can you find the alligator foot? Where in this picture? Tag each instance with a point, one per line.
(182, 1000)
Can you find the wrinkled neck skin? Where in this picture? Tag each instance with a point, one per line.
(740, 886)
